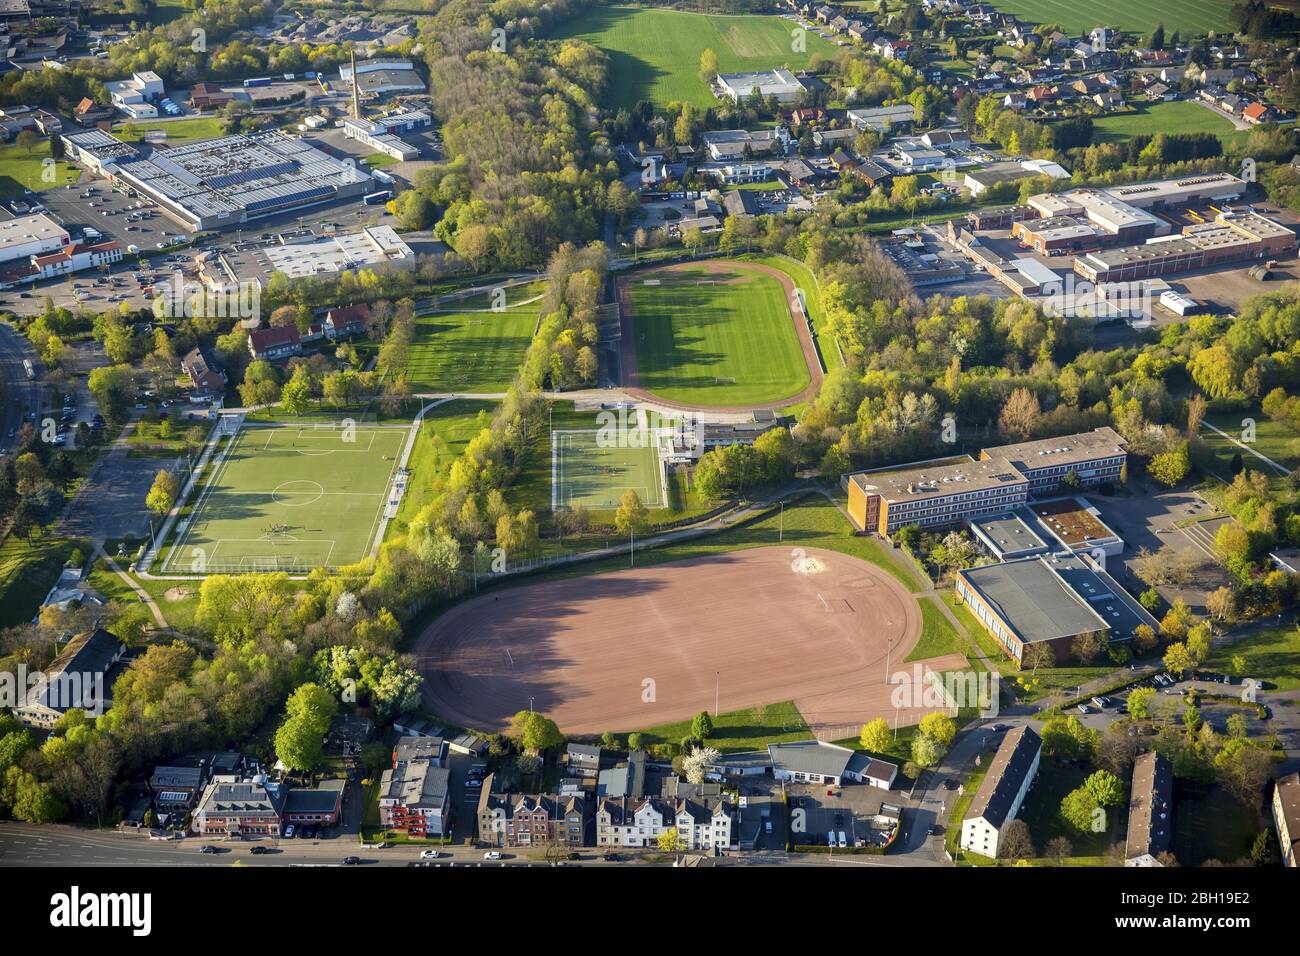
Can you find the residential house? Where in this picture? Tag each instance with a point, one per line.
(1286, 816)
(524, 820)
(240, 809)
(321, 805)
(1150, 811)
(815, 761)
(1010, 774)
(701, 823)
(1256, 113)
(274, 344)
(346, 321)
(414, 793)
(176, 788)
(77, 678)
(207, 381)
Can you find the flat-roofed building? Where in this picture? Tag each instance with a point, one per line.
(1150, 811)
(781, 83)
(1008, 536)
(1002, 792)
(883, 119)
(1077, 526)
(27, 236)
(1230, 237)
(1055, 233)
(1095, 457)
(1049, 600)
(934, 495)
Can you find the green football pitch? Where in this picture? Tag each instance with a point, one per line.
(469, 351)
(290, 498)
(715, 338)
(655, 54)
(587, 472)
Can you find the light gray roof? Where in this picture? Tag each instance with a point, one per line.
(1033, 601)
(810, 756)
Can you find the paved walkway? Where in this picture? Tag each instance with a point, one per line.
(1244, 447)
(145, 597)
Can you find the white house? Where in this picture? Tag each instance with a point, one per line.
(815, 761)
(998, 800)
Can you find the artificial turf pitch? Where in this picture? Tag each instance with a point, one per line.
(596, 475)
(290, 498)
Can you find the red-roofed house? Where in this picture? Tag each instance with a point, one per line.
(275, 344)
(75, 258)
(1255, 113)
(346, 321)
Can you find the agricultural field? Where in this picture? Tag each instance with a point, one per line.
(1179, 116)
(1189, 17)
(715, 335)
(655, 54)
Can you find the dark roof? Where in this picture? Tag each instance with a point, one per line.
(171, 777)
(740, 202)
(325, 798)
(1005, 777)
(1150, 809)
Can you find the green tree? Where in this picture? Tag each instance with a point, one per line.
(535, 732)
(940, 727)
(631, 516)
(1171, 467)
(702, 726)
(1080, 810)
(162, 496)
(1106, 788)
(875, 735)
(295, 396)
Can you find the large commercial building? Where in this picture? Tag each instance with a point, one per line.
(784, 85)
(1049, 600)
(222, 183)
(374, 247)
(883, 119)
(1002, 792)
(952, 491)
(383, 76)
(1231, 237)
(384, 134)
(28, 236)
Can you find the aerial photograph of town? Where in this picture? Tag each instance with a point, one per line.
(764, 436)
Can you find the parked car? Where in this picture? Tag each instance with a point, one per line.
(351, 860)
(429, 854)
(492, 855)
(209, 848)
(1083, 709)
(289, 831)
(259, 850)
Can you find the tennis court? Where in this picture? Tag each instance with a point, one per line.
(596, 474)
(290, 498)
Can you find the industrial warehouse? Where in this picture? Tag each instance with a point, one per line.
(222, 183)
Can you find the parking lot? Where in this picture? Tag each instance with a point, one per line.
(819, 810)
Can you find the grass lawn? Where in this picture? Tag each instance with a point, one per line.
(806, 283)
(469, 351)
(1187, 16)
(443, 435)
(1210, 825)
(24, 169)
(290, 497)
(377, 160)
(28, 571)
(751, 729)
(1178, 116)
(596, 475)
(145, 440)
(1272, 440)
(1042, 812)
(938, 636)
(178, 130)
(655, 54)
(810, 522)
(731, 342)
(1272, 654)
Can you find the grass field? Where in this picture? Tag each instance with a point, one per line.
(596, 475)
(290, 497)
(655, 54)
(1042, 812)
(28, 570)
(24, 169)
(730, 341)
(938, 636)
(806, 283)
(469, 351)
(1140, 16)
(741, 730)
(443, 435)
(178, 131)
(1273, 440)
(1178, 116)
(1210, 825)
(1272, 654)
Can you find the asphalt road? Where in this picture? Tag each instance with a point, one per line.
(21, 396)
